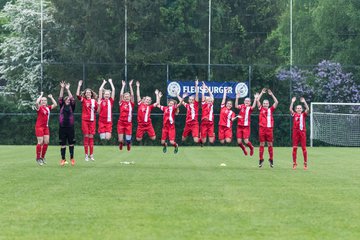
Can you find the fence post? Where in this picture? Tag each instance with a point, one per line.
(84, 74)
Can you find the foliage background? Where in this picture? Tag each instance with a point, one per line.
(169, 39)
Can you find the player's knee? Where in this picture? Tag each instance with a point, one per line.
(139, 139)
(183, 138)
(262, 144)
(228, 140)
(246, 141)
(153, 138)
(196, 140)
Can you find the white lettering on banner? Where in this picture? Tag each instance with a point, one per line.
(219, 89)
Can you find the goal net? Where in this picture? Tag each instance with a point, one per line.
(335, 123)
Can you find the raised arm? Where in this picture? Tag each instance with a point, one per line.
(112, 88)
(291, 108)
(259, 98)
(256, 96)
(101, 89)
(131, 90)
(305, 104)
(224, 96)
(197, 89)
(67, 86)
(138, 91)
(62, 86)
(78, 88)
(210, 93)
(37, 102)
(156, 96)
(54, 104)
(237, 100)
(181, 99)
(122, 90)
(274, 98)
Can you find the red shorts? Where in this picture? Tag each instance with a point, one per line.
(105, 127)
(168, 132)
(225, 132)
(243, 132)
(266, 134)
(191, 127)
(41, 131)
(124, 128)
(299, 136)
(88, 127)
(207, 129)
(145, 128)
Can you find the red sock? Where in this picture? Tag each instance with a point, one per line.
(91, 144)
(250, 146)
(38, 151)
(294, 152)
(175, 144)
(44, 149)
(304, 154)
(86, 145)
(271, 152)
(261, 152)
(243, 148)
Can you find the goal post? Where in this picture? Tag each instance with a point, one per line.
(335, 123)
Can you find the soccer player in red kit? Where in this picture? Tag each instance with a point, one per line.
(266, 126)
(126, 108)
(192, 114)
(143, 118)
(299, 129)
(42, 126)
(227, 116)
(207, 118)
(88, 118)
(243, 124)
(106, 102)
(168, 130)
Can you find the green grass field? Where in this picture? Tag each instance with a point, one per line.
(183, 196)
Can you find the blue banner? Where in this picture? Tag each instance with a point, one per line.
(217, 88)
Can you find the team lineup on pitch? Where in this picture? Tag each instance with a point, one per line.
(201, 131)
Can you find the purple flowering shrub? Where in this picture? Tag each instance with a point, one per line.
(299, 80)
(327, 83)
(335, 85)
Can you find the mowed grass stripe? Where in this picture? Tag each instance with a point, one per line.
(182, 196)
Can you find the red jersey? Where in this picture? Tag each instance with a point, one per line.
(89, 107)
(105, 109)
(244, 115)
(225, 116)
(43, 115)
(266, 118)
(299, 121)
(169, 114)
(126, 110)
(192, 111)
(207, 111)
(144, 112)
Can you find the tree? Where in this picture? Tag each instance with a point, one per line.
(326, 83)
(325, 29)
(20, 51)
